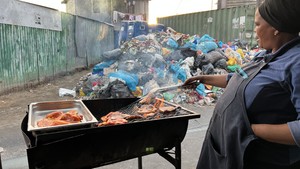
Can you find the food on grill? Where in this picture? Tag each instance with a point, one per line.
(113, 116)
(132, 117)
(146, 109)
(146, 115)
(159, 106)
(117, 117)
(159, 103)
(60, 118)
(166, 109)
(147, 99)
(143, 111)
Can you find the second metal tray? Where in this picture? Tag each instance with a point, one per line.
(39, 110)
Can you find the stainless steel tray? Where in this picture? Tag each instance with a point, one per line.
(39, 110)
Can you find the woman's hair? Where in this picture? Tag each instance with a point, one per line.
(283, 15)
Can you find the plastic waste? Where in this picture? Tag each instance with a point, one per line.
(206, 38)
(233, 68)
(179, 73)
(201, 89)
(112, 55)
(206, 47)
(81, 93)
(66, 92)
(149, 85)
(98, 68)
(168, 96)
(172, 43)
(130, 79)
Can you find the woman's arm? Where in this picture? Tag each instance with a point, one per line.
(214, 80)
(277, 133)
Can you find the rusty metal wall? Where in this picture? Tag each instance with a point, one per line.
(223, 24)
(30, 55)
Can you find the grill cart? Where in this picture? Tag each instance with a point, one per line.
(89, 146)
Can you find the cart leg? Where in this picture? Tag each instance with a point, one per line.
(139, 162)
(176, 161)
(1, 150)
(178, 156)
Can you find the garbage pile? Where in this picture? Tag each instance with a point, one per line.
(162, 59)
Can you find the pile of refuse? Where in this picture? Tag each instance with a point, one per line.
(163, 59)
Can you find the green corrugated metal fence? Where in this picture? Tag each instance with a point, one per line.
(31, 55)
(224, 24)
(27, 54)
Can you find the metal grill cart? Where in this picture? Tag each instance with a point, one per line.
(92, 146)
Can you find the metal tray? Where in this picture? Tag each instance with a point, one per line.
(39, 110)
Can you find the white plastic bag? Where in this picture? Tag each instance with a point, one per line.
(66, 92)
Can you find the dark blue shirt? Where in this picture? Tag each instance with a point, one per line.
(273, 95)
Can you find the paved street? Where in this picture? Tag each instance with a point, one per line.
(14, 155)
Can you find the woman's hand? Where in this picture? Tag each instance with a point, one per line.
(191, 81)
(214, 80)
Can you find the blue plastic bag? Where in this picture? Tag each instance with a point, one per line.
(131, 80)
(172, 43)
(98, 68)
(206, 47)
(201, 89)
(179, 73)
(190, 45)
(206, 38)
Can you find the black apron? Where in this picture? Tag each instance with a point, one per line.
(229, 131)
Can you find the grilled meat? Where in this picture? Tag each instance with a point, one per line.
(60, 118)
(51, 122)
(146, 109)
(166, 109)
(114, 115)
(111, 122)
(117, 117)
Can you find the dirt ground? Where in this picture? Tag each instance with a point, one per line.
(13, 106)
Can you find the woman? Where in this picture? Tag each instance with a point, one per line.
(256, 124)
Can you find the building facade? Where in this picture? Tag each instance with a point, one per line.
(235, 3)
